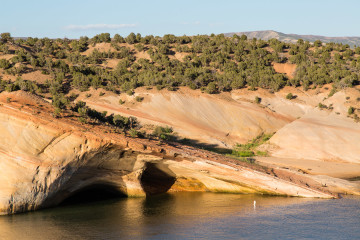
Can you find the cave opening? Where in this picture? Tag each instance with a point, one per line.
(157, 179)
(93, 193)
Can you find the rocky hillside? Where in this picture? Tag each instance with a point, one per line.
(269, 34)
(311, 125)
(133, 116)
(45, 160)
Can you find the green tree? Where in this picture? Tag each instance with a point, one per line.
(131, 38)
(243, 37)
(118, 39)
(317, 43)
(164, 133)
(5, 64)
(6, 37)
(211, 88)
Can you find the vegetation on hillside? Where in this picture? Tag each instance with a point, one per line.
(250, 149)
(212, 63)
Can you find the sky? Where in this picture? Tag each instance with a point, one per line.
(75, 18)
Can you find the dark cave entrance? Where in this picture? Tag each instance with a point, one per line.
(93, 193)
(157, 179)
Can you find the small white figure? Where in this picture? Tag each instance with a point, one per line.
(254, 204)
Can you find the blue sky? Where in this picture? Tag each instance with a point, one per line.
(75, 18)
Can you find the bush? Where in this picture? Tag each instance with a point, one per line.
(289, 96)
(159, 87)
(5, 64)
(245, 153)
(322, 106)
(139, 99)
(130, 92)
(332, 92)
(60, 101)
(133, 132)
(164, 133)
(247, 150)
(121, 102)
(82, 120)
(120, 121)
(257, 100)
(57, 113)
(211, 88)
(351, 110)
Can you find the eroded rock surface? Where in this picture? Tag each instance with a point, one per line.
(45, 160)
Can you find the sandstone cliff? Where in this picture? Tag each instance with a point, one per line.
(45, 160)
(304, 132)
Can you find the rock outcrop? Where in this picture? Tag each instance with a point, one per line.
(45, 160)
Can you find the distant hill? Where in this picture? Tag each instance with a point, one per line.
(266, 35)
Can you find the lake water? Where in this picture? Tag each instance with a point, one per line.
(191, 216)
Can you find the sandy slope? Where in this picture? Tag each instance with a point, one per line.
(303, 131)
(319, 136)
(212, 119)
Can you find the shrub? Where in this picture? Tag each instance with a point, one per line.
(8, 99)
(159, 87)
(133, 132)
(57, 113)
(261, 153)
(289, 96)
(60, 101)
(121, 102)
(356, 118)
(244, 153)
(332, 92)
(322, 106)
(130, 92)
(139, 99)
(351, 110)
(73, 96)
(101, 94)
(211, 88)
(5, 64)
(83, 111)
(120, 121)
(247, 150)
(257, 100)
(82, 120)
(164, 133)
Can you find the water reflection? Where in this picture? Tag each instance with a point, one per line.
(188, 216)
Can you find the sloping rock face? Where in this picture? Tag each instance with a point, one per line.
(209, 119)
(321, 141)
(319, 136)
(303, 130)
(44, 161)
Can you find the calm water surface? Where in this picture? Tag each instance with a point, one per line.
(191, 216)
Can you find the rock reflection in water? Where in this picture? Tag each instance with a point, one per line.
(191, 215)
